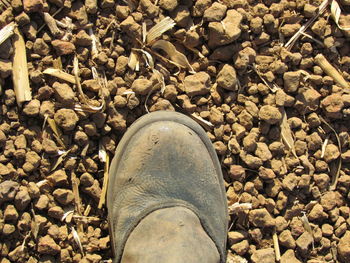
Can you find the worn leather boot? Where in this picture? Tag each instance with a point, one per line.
(166, 199)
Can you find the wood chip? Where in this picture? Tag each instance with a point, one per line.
(60, 74)
(20, 75)
(331, 71)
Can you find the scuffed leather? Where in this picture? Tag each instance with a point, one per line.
(165, 161)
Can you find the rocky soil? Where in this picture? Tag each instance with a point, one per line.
(278, 121)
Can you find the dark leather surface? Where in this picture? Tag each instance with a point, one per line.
(162, 164)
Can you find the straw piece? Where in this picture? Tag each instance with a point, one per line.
(6, 32)
(175, 56)
(157, 30)
(335, 13)
(57, 132)
(105, 183)
(52, 25)
(276, 246)
(60, 74)
(303, 28)
(331, 71)
(286, 133)
(20, 69)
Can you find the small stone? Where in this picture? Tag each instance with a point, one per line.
(63, 93)
(32, 108)
(40, 47)
(49, 146)
(8, 190)
(327, 230)
(216, 117)
(10, 214)
(304, 242)
(270, 114)
(32, 6)
(236, 236)
(266, 173)
(317, 213)
(266, 255)
(47, 245)
(226, 31)
(8, 229)
(197, 84)
(333, 104)
(168, 5)
(142, 86)
(344, 248)
(42, 203)
(289, 257)
(216, 12)
(58, 178)
(286, 239)
(289, 30)
(181, 15)
(63, 47)
(240, 248)
(291, 81)
(66, 118)
(237, 172)
(329, 200)
(5, 68)
(331, 153)
(63, 196)
(262, 151)
(227, 78)
(261, 218)
(132, 28)
(82, 38)
(22, 199)
(56, 212)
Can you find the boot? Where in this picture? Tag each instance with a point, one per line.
(166, 199)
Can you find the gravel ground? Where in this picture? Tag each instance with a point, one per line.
(278, 116)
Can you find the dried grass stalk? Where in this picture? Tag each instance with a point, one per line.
(276, 247)
(52, 25)
(331, 71)
(20, 69)
(175, 56)
(335, 169)
(286, 133)
(60, 160)
(105, 183)
(77, 240)
(85, 101)
(207, 124)
(272, 86)
(237, 207)
(60, 74)
(335, 13)
(303, 28)
(75, 188)
(134, 61)
(307, 227)
(158, 29)
(6, 32)
(57, 132)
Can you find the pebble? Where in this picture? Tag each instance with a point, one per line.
(142, 86)
(66, 119)
(63, 47)
(63, 196)
(197, 84)
(332, 105)
(261, 218)
(266, 255)
(32, 108)
(8, 190)
(227, 31)
(63, 93)
(227, 78)
(47, 245)
(270, 114)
